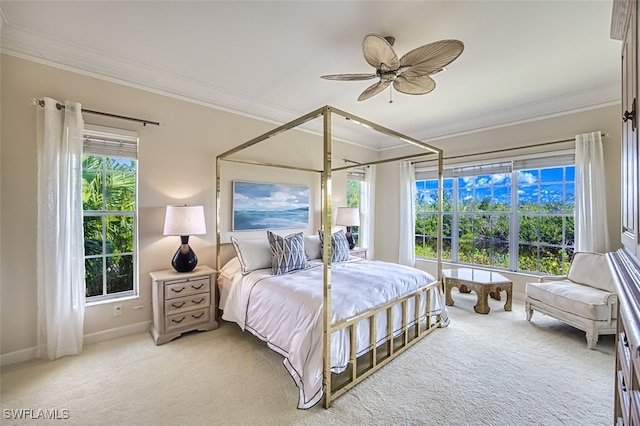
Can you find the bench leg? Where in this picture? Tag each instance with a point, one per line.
(509, 302)
(482, 303)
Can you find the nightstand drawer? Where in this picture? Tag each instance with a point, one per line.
(186, 319)
(180, 288)
(186, 303)
(359, 252)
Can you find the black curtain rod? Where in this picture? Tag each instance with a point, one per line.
(496, 151)
(106, 114)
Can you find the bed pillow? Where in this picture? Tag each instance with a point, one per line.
(231, 268)
(339, 246)
(312, 247)
(253, 254)
(287, 252)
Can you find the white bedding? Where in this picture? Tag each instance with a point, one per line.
(286, 312)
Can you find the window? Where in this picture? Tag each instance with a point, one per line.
(109, 201)
(514, 215)
(353, 197)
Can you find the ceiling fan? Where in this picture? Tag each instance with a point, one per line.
(410, 74)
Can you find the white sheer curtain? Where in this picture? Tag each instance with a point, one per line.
(591, 212)
(60, 251)
(367, 214)
(406, 246)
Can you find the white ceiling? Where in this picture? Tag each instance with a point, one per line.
(523, 60)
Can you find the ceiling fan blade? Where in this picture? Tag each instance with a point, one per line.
(378, 51)
(431, 57)
(348, 77)
(373, 90)
(419, 85)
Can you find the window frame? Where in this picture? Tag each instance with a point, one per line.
(355, 176)
(535, 161)
(111, 142)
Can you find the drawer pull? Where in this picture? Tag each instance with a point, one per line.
(623, 385)
(197, 287)
(177, 291)
(178, 321)
(625, 341)
(198, 302)
(198, 316)
(177, 306)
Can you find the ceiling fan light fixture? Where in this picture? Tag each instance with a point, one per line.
(409, 74)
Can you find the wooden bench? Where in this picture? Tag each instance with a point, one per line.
(483, 283)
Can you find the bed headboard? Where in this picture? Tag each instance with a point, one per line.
(226, 253)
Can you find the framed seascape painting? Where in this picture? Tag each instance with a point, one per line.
(269, 206)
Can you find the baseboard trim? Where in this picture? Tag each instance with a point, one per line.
(89, 339)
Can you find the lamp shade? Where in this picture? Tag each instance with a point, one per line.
(348, 216)
(184, 220)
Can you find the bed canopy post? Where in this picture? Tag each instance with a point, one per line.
(326, 230)
(218, 163)
(440, 217)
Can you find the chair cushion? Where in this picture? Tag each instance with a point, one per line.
(581, 300)
(591, 269)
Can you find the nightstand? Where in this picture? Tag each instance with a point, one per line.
(182, 301)
(359, 252)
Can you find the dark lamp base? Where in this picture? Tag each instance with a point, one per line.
(350, 239)
(185, 260)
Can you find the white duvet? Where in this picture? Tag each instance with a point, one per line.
(286, 312)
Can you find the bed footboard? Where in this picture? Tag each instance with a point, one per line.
(422, 322)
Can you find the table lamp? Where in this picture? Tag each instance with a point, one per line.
(348, 216)
(184, 221)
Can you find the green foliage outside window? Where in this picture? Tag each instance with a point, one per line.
(353, 200)
(482, 232)
(109, 201)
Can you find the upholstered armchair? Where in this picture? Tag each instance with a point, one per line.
(585, 298)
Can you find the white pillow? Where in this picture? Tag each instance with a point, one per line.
(253, 254)
(312, 247)
(231, 268)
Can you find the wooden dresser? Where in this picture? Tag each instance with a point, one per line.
(182, 301)
(624, 263)
(626, 273)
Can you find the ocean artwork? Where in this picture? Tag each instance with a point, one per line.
(269, 206)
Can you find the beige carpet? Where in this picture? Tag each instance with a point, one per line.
(494, 369)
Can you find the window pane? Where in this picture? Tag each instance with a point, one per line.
(527, 257)
(119, 234)
(551, 229)
(92, 162)
(121, 164)
(119, 274)
(120, 192)
(554, 174)
(529, 230)
(500, 255)
(91, 190)
(528, 198)
(551, 260)
(93, 276)
(502, 198)
(552, 198)
(569, 233)
(570, 198)
(92, 235)
(483, 199)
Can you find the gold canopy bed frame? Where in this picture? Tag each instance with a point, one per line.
(379, 355)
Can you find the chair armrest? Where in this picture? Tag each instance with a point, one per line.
(544, 278)
(610, 298)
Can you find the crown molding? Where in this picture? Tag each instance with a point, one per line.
(35, 47)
